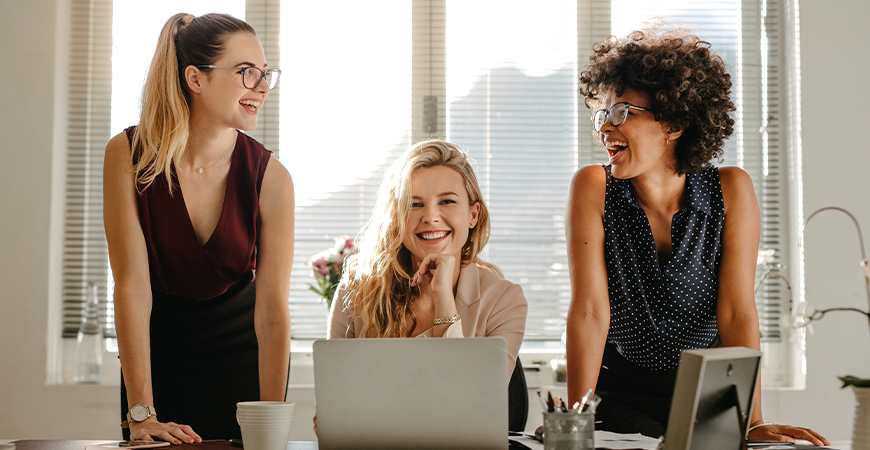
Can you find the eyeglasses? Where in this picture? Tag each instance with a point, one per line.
(617, 113)
(252, 76)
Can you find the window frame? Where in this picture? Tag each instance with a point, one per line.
(88, 23)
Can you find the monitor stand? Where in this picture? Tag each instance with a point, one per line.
(741, 421)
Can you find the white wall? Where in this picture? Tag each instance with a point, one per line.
(835, 173)
(29, 408)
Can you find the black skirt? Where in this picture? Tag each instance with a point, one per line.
(634, 399)
(204, 359)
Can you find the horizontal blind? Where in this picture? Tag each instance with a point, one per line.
(511, 85)
(774, 297)
(345, 116)
(746, 37)
(85, 253)
(265, 17)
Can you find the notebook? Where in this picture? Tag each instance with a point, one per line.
(411, 393)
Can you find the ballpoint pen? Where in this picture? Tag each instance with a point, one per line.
(585, 399)
(543, 403)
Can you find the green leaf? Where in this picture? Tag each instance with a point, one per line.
(849, 380)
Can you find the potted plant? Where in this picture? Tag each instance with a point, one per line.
(806, 314)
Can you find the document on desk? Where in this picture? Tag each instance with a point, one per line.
(618, 441)
(604, 440)
(789, 447)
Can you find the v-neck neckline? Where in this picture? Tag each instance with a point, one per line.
(223, 203)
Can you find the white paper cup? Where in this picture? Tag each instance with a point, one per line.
(265, 425)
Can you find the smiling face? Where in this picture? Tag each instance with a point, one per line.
(640, 144)
(220, 93)
(440, 215)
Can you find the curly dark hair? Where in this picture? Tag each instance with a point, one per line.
(687, 83)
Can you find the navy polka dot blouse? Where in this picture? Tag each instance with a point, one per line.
(657, 311)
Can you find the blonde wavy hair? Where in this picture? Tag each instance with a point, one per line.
(377, 280)
(164, 127)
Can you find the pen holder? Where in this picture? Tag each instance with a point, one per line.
(569, 431)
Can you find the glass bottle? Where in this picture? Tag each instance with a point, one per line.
(89, 341)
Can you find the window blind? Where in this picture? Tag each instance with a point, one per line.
(504, 79)
(85, 253)
(345, 116)
(512, 103)
(505, 84)
(265, 17)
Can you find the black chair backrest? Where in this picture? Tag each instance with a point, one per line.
(518, 399)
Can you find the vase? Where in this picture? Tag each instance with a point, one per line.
(861, 426)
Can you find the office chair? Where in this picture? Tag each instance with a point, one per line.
(518, 399)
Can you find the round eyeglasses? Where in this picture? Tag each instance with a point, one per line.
(251, 76)
(617, 114)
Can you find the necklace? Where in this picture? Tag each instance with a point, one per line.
(212, 165)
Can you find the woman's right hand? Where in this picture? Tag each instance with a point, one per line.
(438, 270)
(150, 429)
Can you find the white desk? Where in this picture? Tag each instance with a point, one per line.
(312, 445)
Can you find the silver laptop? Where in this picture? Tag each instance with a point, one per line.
(411, 393)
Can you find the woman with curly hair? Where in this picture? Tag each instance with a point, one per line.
(655, 266)
(419, 272)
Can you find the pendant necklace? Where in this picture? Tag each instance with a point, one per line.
(215, 163)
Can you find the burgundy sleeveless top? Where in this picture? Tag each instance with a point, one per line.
(177, 263)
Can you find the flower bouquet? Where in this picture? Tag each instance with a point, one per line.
(328, 266)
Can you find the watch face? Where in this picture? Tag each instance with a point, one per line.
(139, 413)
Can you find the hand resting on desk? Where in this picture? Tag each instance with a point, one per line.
(172, 432)
(787, 433)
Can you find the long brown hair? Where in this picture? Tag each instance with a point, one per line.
(164, 126)
(377, 282)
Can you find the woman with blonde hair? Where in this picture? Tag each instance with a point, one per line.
(194, 212)
(419, 272)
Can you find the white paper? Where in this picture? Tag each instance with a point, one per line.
(604, 440)
(617, 441)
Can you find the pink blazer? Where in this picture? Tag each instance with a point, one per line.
(487, 304)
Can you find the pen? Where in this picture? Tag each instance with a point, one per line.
(562, 405)
(543, 403)
(585, 399)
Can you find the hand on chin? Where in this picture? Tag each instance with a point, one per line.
(437, 271)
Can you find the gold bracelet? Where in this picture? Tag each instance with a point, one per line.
(759, 425)
(442, 320)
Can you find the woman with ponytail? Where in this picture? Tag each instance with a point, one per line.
(419, 272)
(195, 211)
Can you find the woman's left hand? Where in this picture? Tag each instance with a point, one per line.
(787, 433)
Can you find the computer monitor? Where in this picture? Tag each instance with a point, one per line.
(713, 398)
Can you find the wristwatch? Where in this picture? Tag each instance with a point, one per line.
(140, 413)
